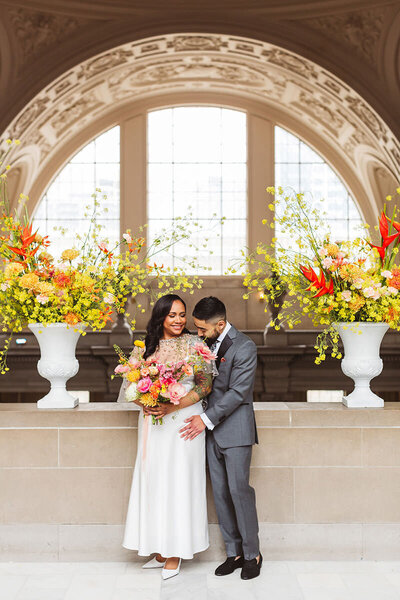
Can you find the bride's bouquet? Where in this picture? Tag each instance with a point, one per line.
(151, 382)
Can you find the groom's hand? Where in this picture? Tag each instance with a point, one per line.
(193, 429)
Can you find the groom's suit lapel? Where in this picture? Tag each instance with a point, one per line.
(225, 345)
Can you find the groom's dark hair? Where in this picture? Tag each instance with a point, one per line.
(210, 309)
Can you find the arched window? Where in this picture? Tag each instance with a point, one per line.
(65, 201)
(197, 158)
(301, 168)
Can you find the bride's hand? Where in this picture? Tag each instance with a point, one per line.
(160, 411)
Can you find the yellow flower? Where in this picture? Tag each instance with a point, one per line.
(45, 288)
(148, 400)
(12, 269)
(356, 303)
(139, 343)
(69, 254)
(133, 376)
(332, 250)
(29, 281)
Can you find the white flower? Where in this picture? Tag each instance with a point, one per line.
(4, 286)
(127, 238)
(322, 252)
(371, 292)
(42, 299)
(346, 295)
(131, 393)
(358, 283)
(392, 290)
(386, 274)
(109, 298)
(327, 262)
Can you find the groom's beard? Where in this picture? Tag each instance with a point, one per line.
(211, 340)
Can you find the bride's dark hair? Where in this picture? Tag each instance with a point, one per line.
(155, 329)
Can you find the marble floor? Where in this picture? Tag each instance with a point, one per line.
(279, 580)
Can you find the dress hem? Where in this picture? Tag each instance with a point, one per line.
(142, 553)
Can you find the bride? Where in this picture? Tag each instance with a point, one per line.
(167, 511)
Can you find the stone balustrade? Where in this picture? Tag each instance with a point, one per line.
(327, 480)
(286, 367)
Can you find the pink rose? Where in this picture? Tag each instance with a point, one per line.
(175, 392)
(121, 369)
(143, 385)
(205, 352)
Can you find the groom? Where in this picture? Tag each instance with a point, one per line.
(229, 418)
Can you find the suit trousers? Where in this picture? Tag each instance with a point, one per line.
(235, 499)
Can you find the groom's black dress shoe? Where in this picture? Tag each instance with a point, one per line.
(251, 568)
(229, 565)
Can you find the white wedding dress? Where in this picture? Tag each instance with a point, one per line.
(167, 510)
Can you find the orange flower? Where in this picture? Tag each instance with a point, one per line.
(71, 318)
(394, 281)
(154, 391)
(62, 280)
(393, 314)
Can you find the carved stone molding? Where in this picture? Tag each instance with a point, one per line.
(38, 30)
(205, 62)
(361, 30)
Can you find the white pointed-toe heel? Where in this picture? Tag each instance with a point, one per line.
(153, 564)
(168, 573)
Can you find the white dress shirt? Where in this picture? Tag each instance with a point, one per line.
(207, 422)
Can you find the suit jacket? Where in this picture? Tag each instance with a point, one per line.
(230, 404)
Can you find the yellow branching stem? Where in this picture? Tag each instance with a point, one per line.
(326, 280)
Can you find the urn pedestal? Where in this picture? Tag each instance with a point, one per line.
(57, 363)
(361, 361)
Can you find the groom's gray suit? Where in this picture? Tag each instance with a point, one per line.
(229, 444)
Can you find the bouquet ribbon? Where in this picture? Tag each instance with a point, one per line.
(145, 436)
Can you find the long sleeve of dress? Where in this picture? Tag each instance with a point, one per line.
(203, 371)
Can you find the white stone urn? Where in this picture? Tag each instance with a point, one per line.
(361, 361)
(57, 361)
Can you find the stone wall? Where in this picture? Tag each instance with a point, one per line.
(327, 480)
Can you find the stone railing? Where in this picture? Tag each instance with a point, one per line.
(326, 479)
(286, 368)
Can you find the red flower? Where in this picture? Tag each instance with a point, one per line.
(317, 282)
(386, 238)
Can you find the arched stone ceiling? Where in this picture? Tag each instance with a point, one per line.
(357, 40)
(115, 8)
(292, 86)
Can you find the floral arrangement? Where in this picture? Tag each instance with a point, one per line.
(151, 382)
(89, 282)
(326, 280)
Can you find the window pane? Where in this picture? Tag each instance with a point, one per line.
(197, 166)
(300, 167)
(65, 201)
